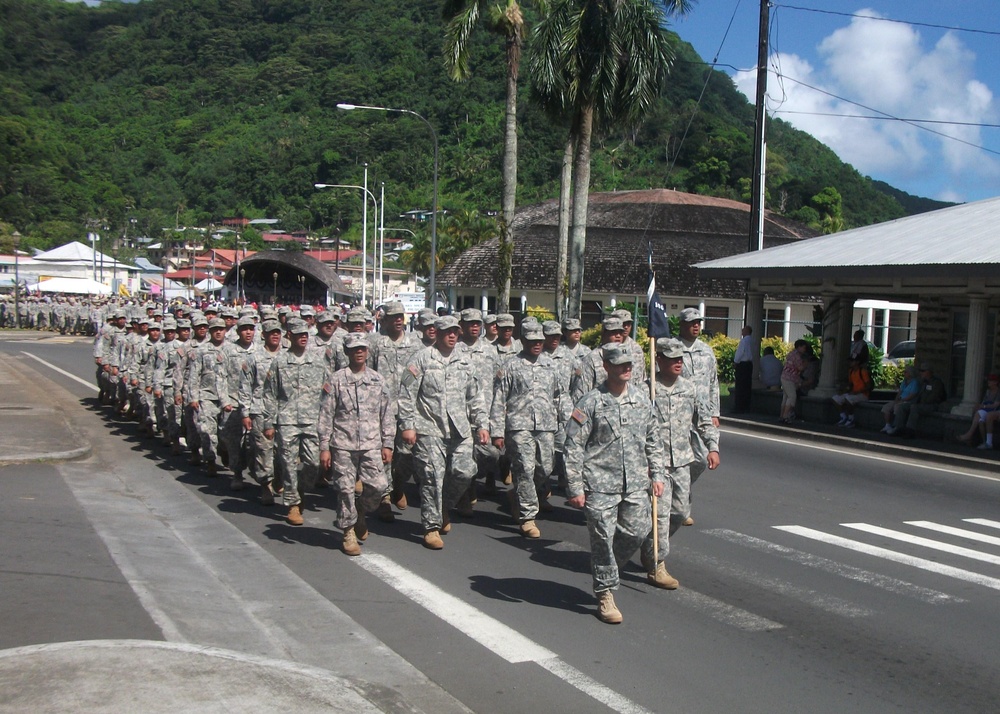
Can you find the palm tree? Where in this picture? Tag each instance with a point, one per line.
(598, 63)
(503, 17)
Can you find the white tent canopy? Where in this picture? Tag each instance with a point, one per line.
(208, 285)
(78, 286)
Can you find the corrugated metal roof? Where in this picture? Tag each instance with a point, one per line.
(963, 237)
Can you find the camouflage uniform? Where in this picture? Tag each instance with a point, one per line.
(700, 368)
(439, 398)
(484, 359)
(612, 448)
(357, 419)
(206, 384)
(251, 404)
(529, 407)
(164, 364)
(292, 392)
(231, 430)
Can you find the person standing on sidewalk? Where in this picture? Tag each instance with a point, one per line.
(357, 428)
(613, 450)
(743, 366)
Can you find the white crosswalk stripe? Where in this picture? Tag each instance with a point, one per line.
(960, 532)
(925, 542)
(884, 582)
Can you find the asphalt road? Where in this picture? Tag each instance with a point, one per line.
(815, 579)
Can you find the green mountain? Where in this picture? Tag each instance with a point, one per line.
(183, 112)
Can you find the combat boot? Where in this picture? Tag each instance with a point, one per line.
(432, 540)
(361, 527)
(384, 511)
(661, 578)
(236, 482)
(295, 516)
(445, 524)
(398, 499)
(350, 543)
(464, 506)
(266, 497)
(530, 530)
(212, 468)
(606, 608)
(689, 521)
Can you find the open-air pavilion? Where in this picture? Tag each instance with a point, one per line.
(285, 277)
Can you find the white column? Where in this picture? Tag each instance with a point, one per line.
(786, 328)
(524, 302)
(614, 301)
(885, 330)
(701, 307)
(975, 355)
(451, 298)
(754, 318)
(484, 302)
(833, 315)
(869, 318)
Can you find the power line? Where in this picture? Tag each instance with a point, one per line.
(993, 33)
(888, 118)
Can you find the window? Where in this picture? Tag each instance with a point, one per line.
(716, 320)
(774, 322)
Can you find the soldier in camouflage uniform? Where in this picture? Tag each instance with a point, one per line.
(505, 344)
(390, 352)
(637, 351)
(425, 326)
(357, 427)
(572, 330)
(699, 367)
(677, 406)
(528, 409)
(439, 406)
(591, 374)
(613, 448)
(147, 363)
(251, 404)
(292, 392)
(106, 340)
(208, 392)
(232, 432)
(484, 359)
(164, 369)
(567, 365)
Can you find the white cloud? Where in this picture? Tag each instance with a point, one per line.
(884, 66)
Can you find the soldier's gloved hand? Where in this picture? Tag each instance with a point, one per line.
(325, 460)
(386, 455)
(409, 436)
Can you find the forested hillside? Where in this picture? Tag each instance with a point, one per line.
(188, 111)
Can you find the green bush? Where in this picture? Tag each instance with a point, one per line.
(592, 338)
(725, 349)
(891, 375)
(540, 313)
(780, 347)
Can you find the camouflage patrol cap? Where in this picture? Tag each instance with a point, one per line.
(142, 321)
(118, 314)
(296, 326)
(426, 318)
(446, 322)
(245, 321)
(623, 315)
(357, 314)
(616, 353)
(471, 314)
(326, 316)
(551, 327)
(169, 324)
(612, 324)
(490, 320)
(570, 324)
(199, 320)
(271, 326)
(247, 311)
(691, 314)
(393, 308)
(183, 324)
(229, 313)
(531, 332)
(355, 340)
(307, 311)
(215, 323)
(211, 308)
(505, 319)
(529, 320)
(335, 310)
(284, 310)
(670, 347)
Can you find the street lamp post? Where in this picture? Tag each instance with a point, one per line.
(17, 282)
(302, 290)
(274, 295)
(243, 279)
(364, 230)
(431, 299)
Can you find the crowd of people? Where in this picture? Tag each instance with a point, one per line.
(69, 315)
(293, 399)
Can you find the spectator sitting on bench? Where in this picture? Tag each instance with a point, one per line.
(986, 415)
(859, 381)
(932, 393)
(909, 390)
(770, 369)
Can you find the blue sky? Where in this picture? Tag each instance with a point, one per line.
(901, 69)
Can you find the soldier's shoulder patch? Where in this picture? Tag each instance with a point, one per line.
(499, 374)
(414, 370)
(579, 416)
(327, 387)
(220, 357)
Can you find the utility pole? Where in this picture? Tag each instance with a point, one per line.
(760, 135)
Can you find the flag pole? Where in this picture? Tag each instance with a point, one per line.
(652, 391)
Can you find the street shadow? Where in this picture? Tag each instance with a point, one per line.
(550, 553)
(536, 592)
(283, 532)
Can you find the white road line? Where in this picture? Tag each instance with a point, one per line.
(842, 451)
(492, 634)
(892, 555)
(960, 532)
(893, 585)
(924, 542)
(983, 522)
(705, 604)
(829, 603)
(63, 372)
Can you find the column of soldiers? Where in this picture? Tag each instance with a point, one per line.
(296, 400)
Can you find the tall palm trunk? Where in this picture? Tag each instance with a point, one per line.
(581, 196)
(509, 197)
(565, 195)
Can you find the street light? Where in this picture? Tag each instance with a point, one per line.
(243, 280)
(302, 290)
(17, 282)
(431, 299)
(274, 295)
(364, 228)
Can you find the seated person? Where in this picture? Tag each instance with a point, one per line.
(908, 391)
(770, 369)
(810, 372)
(932, 393)
(859, 381)
(985, 415)
(859, 347)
